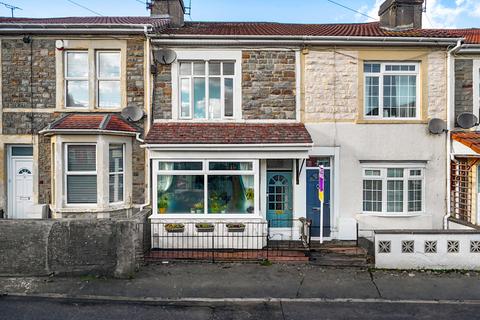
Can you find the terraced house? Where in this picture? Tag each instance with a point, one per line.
(238, 119)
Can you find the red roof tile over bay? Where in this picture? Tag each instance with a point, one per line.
(472, 36)
(109, 122)
(228, 133)
(470, 139)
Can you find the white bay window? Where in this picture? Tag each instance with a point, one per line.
(205, 187)
(116, 172)
(81, 174)
(393, 190)
(392, 90)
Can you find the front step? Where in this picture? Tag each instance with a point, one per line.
(340, 255)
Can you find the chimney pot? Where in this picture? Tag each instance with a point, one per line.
(398, 15)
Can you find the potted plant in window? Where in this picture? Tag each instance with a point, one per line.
(198, 207)
(250, 196)
(217, 204)
(163, 204)
(175, 227)
(204, 227)
(236, 227)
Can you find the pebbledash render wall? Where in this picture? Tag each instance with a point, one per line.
(268, 86)
(28, 105)
(332, 110)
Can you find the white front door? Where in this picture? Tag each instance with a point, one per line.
(21, 187)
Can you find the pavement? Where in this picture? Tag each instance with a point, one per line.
(190, 281)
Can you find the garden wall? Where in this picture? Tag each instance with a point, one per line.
(71, 247)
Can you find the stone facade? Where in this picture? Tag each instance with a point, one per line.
(331, 85)
(135, 73)
(463, 86)
(25, 122)
(162, 100)
(44, 169)
(28, 73)
(138, 173)
(437, 85)
(268, 85)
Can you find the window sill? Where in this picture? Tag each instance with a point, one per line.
(205, 217)
(390, 121)
(88, 110)
(393, 215)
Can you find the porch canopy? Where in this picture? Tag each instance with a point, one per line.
(239, 140)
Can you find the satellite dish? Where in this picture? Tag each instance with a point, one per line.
(467, 120)
(165, 56)
(132, 113)
(437, 126)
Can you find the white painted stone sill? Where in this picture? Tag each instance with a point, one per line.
(393, 215)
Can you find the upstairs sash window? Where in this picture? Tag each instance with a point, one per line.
(206, 89)
(391, 90)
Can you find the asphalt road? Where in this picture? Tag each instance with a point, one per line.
(53, 309)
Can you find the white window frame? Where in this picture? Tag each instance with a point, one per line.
(383, 72)
(476, 87)
(67, 173)
(117, 172)
(99, 79)
(186, 55)
(206, 76)
(67, 78)
(406, 177)
(206, 172)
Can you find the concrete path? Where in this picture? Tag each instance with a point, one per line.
(196, 282)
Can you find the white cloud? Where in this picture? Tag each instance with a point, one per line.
(438, 15)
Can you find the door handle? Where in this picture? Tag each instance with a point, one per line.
(24, 198)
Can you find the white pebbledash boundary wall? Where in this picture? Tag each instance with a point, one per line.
(427, 249)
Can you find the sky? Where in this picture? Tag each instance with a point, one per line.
(440, 13)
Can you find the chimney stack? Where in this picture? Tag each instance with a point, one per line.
(172, 9)
(398, 15)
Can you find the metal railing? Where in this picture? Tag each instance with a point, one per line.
(224, 241)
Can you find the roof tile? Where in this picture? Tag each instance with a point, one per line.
(227, 133)
(470, 139)
(93, 122)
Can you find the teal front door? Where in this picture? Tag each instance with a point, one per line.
(279, 199)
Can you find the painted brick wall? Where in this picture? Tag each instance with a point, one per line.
(268, 85)
(28, 84)
(463, 86)
(331, 85)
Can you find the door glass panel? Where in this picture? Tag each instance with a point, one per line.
(279, 198)
(22, 151)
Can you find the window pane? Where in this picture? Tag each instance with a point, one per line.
(116, 188)
(199, 68)
(316, 162)
(415, 173)
(372, 96)
(185, 97)
(81, 158)
(228, 97)
(236, 166)
(214, 68)
(116, 158)
(185, 68)
(372, 195)
(180, 194)
(215, 102)
(77, 94)
(82, 189)
(166, 166)
(371, 67)
(199, 98)
(231, 194)
(373, 173)
(395, 196)
(77, 64)
(395, 173)
(414, 195)
(109, 94)
(400, 96)
(109, 64)
(22, 151)
(228, 68)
